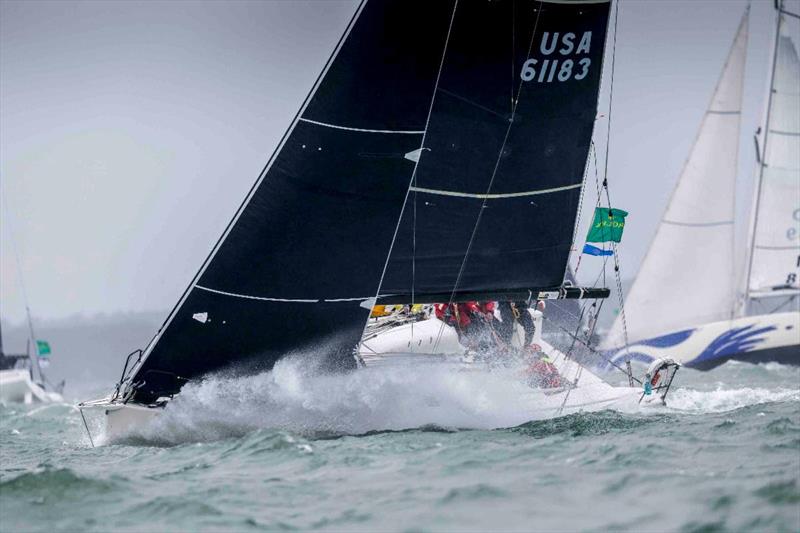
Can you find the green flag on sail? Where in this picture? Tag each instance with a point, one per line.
(607, 225)
(43, 348)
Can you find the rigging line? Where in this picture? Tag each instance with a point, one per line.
(494, 171)
(614, 247)
(416, 163)
(597, 204)
(754, 224)
(472, 103)
(611, 88)
(578, 217)
(20, 277)
(513, 42)
(784, 304)
(593, 351)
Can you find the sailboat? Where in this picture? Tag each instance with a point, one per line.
(439, 157)
(687, 300)
(22, 379)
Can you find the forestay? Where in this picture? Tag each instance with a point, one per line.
(775, 263)
(688, 276)
(426, 115)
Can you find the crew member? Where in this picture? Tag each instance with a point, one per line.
(512, 313)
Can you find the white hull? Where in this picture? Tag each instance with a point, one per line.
(119, 419)
(432, 342)
(16, 386)
(122, 418)
(756, 339)
(404, 345)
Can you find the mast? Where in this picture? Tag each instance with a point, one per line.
(34, 357)
(36, 370)
(764, 163)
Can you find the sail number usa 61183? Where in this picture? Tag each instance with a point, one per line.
(563, 62)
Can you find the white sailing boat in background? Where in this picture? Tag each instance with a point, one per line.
(687, 301)
(22, 379)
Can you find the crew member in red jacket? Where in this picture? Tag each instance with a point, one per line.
(473, 321)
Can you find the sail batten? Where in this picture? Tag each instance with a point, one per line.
(364, 130)
(463, 194)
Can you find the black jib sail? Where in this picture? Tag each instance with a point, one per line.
(441, 149)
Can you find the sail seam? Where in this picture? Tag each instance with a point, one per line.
(714, 112)
(495, 196)
(287, 300)
(698, 224)
(363, 130)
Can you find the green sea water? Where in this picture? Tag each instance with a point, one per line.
(414, 453)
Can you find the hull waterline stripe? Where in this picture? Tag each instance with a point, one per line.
(287, 300)
(698, 224)
(364, 130)
(495, 196)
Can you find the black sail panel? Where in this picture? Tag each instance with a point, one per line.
(307, 249)
(309, 246)
(519, 169)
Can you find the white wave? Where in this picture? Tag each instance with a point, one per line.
(723, 399)
(296, 398)
(291, 397)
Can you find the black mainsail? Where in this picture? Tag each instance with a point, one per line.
(440, 154)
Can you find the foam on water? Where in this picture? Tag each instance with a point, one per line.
(298, 399)
(295, 397)
(722, 399)
(722, 457)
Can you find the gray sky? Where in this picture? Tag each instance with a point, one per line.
(131, 131)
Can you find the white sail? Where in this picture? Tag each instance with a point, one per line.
(775, 260)
(687, 276)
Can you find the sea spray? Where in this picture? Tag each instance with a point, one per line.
(295, 397)
(728, 459)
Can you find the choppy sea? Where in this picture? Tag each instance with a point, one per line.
(414, 453)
